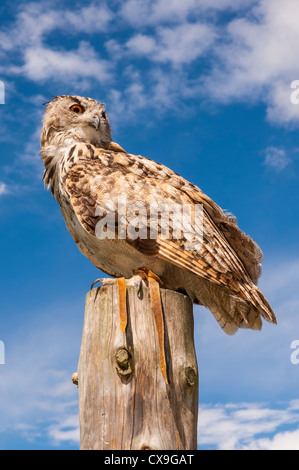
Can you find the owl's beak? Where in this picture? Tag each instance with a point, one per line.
(95, 122)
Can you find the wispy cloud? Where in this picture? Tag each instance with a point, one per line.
(256, 60)
(4, 189)
(142, 13)
(249, 426)
(30, 56)
(250, 57)
(276, 158)
(37, 394)
(65, 429)
(44, 63)
(34, 22)
(178, 45)
(148, 13)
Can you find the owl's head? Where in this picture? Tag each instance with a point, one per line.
(75, 118)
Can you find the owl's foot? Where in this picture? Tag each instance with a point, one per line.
(154, 283)
(103, 280)
(146, 273)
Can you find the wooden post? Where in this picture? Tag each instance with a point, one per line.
(124, 402)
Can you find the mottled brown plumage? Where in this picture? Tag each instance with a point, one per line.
(87, 172)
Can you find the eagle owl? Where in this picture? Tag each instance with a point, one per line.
(87, 173)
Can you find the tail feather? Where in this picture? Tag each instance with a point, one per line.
(266, 310)
(258, 300)
(233, 312)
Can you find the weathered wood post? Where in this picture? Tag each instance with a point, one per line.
(124, 402)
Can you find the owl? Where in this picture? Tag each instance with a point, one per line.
(108, 198)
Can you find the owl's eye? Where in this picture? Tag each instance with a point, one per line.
(76, 108)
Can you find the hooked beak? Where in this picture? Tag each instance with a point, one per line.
(95, 122)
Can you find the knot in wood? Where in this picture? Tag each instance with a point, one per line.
(190, 375)
(123, 363)
(75, 379)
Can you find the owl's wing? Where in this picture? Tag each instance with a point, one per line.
(245, 248)
(226, 256)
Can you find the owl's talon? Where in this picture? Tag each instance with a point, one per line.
(96, 282)
(105, 281)
(146, 273)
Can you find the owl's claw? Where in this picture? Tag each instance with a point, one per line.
(104, 281)
(146, 273)
(96, 282)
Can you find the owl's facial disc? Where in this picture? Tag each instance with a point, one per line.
(76, 119)
(91, 119)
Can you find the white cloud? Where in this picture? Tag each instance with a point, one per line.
(37, 396)
(27, 54)
(280, 108)
(251, 57)
(43, 63)
(65, 429)
(30, 159)
(89, 19)
(276, 158)
(257, 60)
(226, 4)
(159, 87)
(33, 22)
(288, 440)
(147, 12)
(3, 188)
(177, 45)
(142, 13)
(160, 93)
(142, 44)
(248, 426)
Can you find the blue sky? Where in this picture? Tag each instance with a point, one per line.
(203, 87)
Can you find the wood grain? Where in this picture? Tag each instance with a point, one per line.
(124, 402)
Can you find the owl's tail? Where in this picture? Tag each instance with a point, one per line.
(233, 312)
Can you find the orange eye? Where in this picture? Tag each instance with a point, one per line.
(76, 108)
